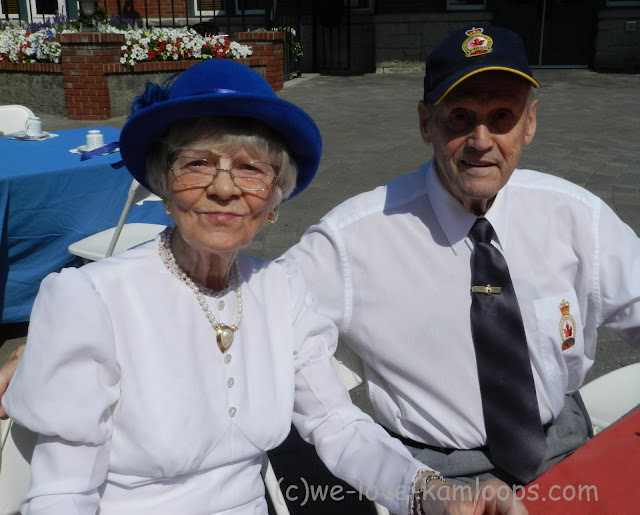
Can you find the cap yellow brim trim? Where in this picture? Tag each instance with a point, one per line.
(499, 68)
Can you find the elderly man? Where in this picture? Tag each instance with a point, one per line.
(471, 290)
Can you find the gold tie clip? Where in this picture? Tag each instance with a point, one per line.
(487, 290)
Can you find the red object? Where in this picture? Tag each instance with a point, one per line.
(601, 477)
(567, 330)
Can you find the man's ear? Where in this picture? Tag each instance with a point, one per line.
(423, 116)
(531, 123)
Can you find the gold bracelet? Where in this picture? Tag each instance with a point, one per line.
(430, 477)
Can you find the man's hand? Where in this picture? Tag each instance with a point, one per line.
(6, 373)
(492, 497)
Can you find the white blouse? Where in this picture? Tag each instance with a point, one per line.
(140, 412)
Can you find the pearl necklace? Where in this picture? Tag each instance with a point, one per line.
(224, 333)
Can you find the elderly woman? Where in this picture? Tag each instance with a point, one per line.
(158, 378)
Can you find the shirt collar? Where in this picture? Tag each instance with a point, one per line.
(455, 221)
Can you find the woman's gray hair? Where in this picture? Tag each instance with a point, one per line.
(223, 135)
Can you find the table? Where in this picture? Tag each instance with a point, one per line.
(50, 199)
(601, 477)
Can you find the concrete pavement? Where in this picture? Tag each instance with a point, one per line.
(587, 133)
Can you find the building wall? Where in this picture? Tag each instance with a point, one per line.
(403, 41)
(618, 41)
(123, 87)
(42, 92)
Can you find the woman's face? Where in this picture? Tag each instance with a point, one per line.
(219, 218)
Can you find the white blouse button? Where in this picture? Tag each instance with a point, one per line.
(295, 354)
(227, 358)
(230, 382)
(232, 411)
(221, 305)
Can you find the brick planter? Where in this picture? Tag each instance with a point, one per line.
(83, 59)
(96, 86)
(269, 45)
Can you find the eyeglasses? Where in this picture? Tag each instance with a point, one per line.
(196, 172)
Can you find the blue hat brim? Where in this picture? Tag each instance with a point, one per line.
(295, 126)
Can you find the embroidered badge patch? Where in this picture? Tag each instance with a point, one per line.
(477, 43)
(567, 326)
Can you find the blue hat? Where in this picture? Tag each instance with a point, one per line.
(219, 87)
(471, 50)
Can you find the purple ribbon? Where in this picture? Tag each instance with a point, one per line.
(99, 151)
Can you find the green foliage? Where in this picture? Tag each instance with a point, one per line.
(295, 47)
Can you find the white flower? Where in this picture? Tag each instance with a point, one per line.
(41, 45)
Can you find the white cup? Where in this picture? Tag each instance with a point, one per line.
(33, 127)
(95, 139)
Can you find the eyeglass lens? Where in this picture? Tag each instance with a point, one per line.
(198, 172)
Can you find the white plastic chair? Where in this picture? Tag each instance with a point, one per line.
(609, 397)
(123, 236)
(273, 488)
(13, 118)
(349, 367)
(17, 444)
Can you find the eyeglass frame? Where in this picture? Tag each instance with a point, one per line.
(214, 176)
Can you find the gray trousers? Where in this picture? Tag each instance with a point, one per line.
(569, 431)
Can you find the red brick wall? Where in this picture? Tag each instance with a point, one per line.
(85, 85)
(268, 45)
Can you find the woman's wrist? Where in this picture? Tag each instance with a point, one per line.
(419, 487)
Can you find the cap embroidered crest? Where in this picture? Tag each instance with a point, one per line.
(446, 66)
(477, 43)
(567, 326)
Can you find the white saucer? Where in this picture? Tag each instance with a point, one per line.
(83, 148)
(23, 137)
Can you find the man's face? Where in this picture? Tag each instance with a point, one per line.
(477, 133)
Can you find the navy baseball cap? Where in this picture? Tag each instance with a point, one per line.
(472, 50)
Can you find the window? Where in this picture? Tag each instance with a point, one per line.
(250, 6)
(363, 5)
(466, 5)
(46, 6)
(623, 3)
(9, 8)
(210, 7)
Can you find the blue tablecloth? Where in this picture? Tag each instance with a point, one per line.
(50, 199)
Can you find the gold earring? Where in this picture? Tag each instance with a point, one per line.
(166, 206)
(273, 215)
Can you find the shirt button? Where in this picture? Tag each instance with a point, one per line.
(295, 354)
(227, 358)
(221, 305)
(232, 411)
(230, 382)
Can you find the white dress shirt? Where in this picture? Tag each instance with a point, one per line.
(391, 267)
(141, 413)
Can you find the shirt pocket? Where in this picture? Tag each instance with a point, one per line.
(560, 338)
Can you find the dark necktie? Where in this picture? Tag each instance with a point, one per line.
(515, 436)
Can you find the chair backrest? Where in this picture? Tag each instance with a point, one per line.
(13, 118)
(612, 395)
(351, 371)
(17, 444)
(137, 195)
(349, 367)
